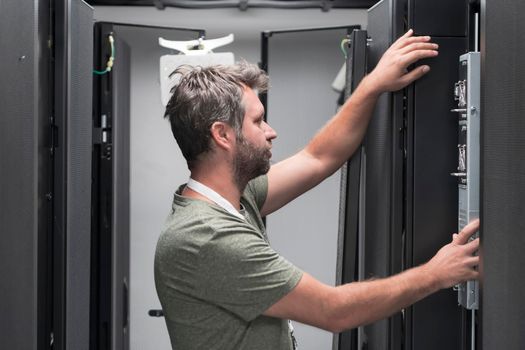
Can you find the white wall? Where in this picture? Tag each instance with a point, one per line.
(300, 102)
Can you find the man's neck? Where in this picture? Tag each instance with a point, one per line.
(218, 181)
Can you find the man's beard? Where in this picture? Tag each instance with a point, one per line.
(250, 162)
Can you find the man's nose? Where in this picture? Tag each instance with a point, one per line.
(270, 132)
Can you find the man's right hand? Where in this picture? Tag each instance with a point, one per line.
(455, 262)
(360, 303)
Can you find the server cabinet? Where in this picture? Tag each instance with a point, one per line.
(45, 102)
(409, 199)
(25, 175)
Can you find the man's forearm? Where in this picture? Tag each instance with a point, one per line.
(339, 138)
(361, 303)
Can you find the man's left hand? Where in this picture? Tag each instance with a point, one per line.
(391, 73)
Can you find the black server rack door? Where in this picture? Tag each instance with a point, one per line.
(502, 174)
(102, 190)
(72, 173)
(25, 173)
(378, 146)
(347, 245)
(447, 18)
(121, 199)
(347, 269)
(79, 176)
(377, 162)
(432, 191)
(110, 194)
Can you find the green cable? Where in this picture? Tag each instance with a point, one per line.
(111, 59)
(343, 42)
(100, 72)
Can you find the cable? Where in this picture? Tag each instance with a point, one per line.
(111, 59)
(343, 42)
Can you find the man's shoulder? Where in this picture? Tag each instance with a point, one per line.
(192, 221)
(256, 191)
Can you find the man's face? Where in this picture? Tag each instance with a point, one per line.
(253, 153)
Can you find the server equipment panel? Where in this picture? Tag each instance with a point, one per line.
(467, 95)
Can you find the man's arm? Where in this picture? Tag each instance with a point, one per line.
(338, 139)
(348, 306)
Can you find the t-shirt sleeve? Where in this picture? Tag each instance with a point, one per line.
(257, 190)
(243, 274)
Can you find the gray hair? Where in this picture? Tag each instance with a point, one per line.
(205, 95)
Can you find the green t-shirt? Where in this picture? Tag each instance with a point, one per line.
(216, 274)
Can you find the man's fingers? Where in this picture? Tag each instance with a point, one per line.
(407, 50)
(419, 46)
(415, 74)
(472, 246)
(412, 40)
(408, 34)
(474, 275)
(407, 40)
(467, 231)
(473, 261)
(399, 40)
(414, 56)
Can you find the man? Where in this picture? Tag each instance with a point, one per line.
(220, 283)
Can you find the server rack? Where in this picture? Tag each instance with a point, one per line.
(45, 177)
(407, 199)
(26, 167)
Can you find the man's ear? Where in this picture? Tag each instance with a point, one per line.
(222, 134)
